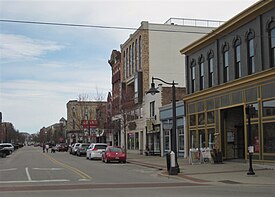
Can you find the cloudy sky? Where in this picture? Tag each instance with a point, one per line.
(42, 67)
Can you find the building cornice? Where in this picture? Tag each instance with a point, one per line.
(238, 83)
(237, 21)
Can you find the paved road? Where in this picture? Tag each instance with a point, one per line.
(29, 172)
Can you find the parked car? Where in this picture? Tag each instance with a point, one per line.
(81, 149)
(113, 153)
(61, 147)
(95, 150)
(74, 148)
(4, 152)
(7, 146)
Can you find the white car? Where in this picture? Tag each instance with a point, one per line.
(7, 146)
(74, 148)
(95, 150)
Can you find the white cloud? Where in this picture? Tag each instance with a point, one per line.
(22, 47)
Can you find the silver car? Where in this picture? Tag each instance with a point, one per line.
(7, 146)
(94, 151)
(74, 148)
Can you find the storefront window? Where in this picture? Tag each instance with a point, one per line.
(193, 139)
(269, 137)
(269, 108)
(166, 139)
(133, 141)
(181, 138)
(255, 111)
(211, 138)
(201, 138)
(210, 117)
(254, 137)
(201, 117)
(137, 141)
(192, 120)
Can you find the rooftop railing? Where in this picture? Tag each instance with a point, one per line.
(194, 22)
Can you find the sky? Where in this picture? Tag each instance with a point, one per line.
(42, 67)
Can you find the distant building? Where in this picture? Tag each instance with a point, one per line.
(227, 70)
(85, 121)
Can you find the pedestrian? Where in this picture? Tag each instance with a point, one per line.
(43, 147)
(47, 148)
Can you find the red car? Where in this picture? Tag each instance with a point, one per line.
(113, 154)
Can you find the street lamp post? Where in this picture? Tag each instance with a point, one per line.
(153, 91)
(250, 110)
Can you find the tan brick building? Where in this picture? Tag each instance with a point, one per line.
(85, 120)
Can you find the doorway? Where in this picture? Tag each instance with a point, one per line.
(232, 133)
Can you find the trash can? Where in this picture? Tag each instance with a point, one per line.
(168, 161)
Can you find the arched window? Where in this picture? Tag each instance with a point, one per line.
(127, 63)
(193, 75)
(136, 55)
(140, 52)
(210, 57)
(271, 36)
(237, 56)
(133, 58)
(124, 65)
(225, 51)
(250, 36)
(201, 71)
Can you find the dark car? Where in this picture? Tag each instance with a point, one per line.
(62, 147)
(113, 153)
(4, 152)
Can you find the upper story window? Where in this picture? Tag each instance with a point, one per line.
(86, 113)
(133, 58)
(237, 57)
(201, 70)
(136, 55)
(193, 75)
(140, 52)
(74, 112)
(251, 52)
(210, 69)
(124, 65)
(225, 63)
(271, 32)
(152, 109)
(130, 60)
(127, 63)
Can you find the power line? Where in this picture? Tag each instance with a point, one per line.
(111, 27)
(95, 26)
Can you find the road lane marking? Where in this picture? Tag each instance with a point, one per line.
(28, 174)
(53, 169)
(83, 175)
(36, 181)
(10, 169)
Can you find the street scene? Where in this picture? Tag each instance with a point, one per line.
(137, 98)
(29, 172)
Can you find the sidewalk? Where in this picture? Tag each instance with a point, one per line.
(229, 172)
